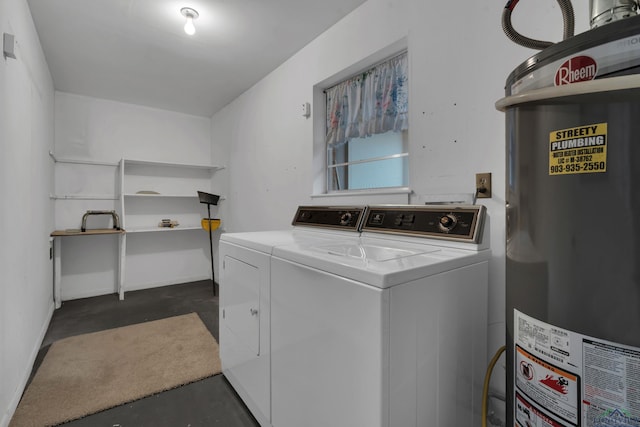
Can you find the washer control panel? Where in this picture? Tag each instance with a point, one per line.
(450, 222)
(347, 218)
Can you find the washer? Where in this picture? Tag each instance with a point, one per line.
(245, 295)
(388, 330)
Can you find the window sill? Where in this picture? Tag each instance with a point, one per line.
(374, 191)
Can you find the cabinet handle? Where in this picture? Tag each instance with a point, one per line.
(253, 311)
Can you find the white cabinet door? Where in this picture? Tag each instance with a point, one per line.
(244, 326)
(241, 297)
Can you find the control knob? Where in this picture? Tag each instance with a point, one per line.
(345, 218)
(305, 215)
(447, 222)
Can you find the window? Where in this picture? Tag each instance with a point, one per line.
(366, 129)
(378, 161)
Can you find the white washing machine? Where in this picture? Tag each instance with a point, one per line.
(245, 295)
(389, 330)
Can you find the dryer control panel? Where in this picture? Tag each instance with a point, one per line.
(449, 222)
(348, 218)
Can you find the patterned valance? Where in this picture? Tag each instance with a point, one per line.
(373, 102)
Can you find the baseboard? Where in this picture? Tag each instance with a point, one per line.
(135, 287)
(32, 359)
(90, 293)
(141, 286)
(244, 396)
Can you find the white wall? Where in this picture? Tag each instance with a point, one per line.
(26, 136)
(459, 61)
(105, 131)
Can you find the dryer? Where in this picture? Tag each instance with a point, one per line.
(245, 295)
(388, 330)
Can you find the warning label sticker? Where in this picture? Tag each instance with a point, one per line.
(611, 392)
(551, 387)
(577, 150)
(528, 415)
(563, 378)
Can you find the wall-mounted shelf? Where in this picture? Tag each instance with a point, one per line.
(82, 179)
(82, 161)
(172, 165)
(84, 197)
(144, 192)
(151, 191)
(158, 196)
(164, 229)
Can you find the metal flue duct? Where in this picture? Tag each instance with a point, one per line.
(607, 11)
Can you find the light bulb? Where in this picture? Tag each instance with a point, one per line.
(189, 28)
(190, 14)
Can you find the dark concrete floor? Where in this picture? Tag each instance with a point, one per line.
(209, 402)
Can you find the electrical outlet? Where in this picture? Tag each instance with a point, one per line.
(483, 185)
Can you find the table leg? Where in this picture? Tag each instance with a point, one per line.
(122, 240)
(57, 271)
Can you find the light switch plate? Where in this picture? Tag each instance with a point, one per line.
(8, 45)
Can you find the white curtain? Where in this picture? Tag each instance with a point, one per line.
(373, 102)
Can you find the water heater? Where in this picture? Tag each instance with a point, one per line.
(573, 232)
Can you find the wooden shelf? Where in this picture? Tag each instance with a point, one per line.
(90, 232)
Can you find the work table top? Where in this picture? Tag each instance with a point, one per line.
(78, 232)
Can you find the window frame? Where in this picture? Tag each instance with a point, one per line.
(330, 168)
(318, 182)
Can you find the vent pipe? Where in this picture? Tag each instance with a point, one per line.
(607, 11)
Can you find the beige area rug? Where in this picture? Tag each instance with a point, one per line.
(89, 373)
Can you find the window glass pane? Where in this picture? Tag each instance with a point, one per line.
(358, 173)
(380, 145)
(337, 178)
(378, 174)
(337, 155)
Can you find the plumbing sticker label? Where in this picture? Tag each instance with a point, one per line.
(577, 150)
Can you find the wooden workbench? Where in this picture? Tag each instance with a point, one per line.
(57, 256)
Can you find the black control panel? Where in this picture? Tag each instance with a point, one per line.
(347, 218)
(445, 222)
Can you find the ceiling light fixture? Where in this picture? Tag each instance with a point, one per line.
(190, 14)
